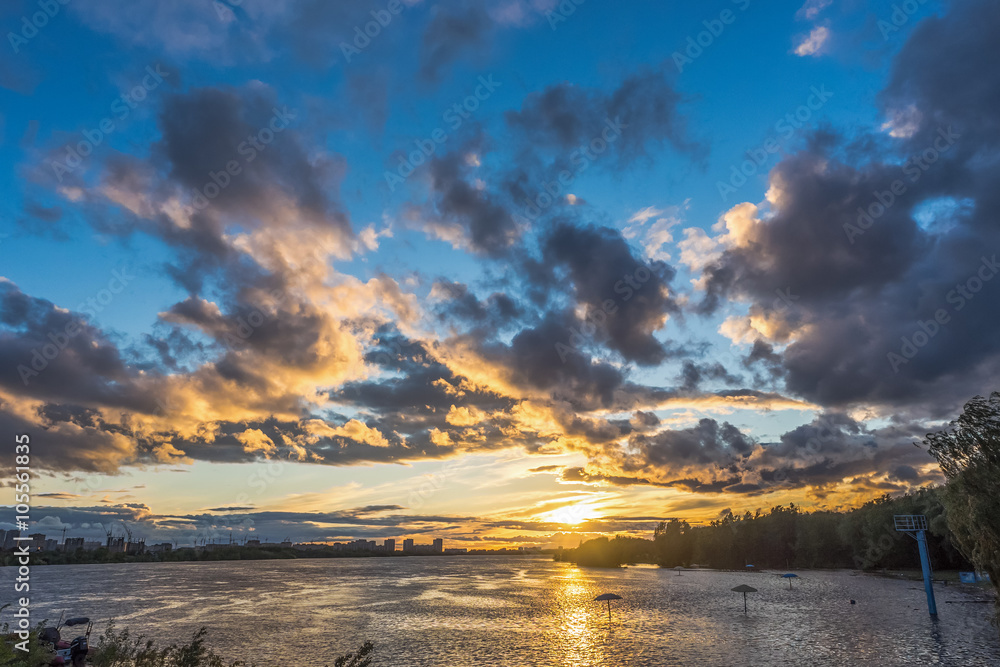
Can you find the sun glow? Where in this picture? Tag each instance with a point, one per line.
(570, 514)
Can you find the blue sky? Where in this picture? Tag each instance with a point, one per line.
(402, 328)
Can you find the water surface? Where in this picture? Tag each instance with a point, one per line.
(456, 611)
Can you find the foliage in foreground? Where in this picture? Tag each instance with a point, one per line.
(37, 654)
(124, 649)
(969, 454)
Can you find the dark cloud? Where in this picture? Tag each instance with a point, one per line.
(454, 31)
(205, 129)
(488, 227)
(707, 444)
(953, 83)
(496, 312)
(867, 288)
(533, 359)
(627, 300)
(693, 374)
(49, 352)
(712, 457)
(564, 117)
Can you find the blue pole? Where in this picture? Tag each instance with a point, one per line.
(925, 564)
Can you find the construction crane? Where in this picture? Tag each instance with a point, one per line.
(109, 533)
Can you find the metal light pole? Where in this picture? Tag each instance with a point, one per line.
(915, 525)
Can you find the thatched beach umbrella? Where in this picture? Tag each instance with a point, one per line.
(743, 588)
(609, 597)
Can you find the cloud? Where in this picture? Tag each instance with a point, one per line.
(563, 117)
(858, 298)
(814, 42)
(465, 215)
(717, 458)
(812, 9)
(453, 31)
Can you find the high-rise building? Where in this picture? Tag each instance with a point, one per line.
(408, 545)
(389, 545)
(73, 543)
(438, 545)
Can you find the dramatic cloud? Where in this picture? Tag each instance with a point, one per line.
(555, 279)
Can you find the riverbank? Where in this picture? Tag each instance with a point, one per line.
(943, 577)
(229, 553)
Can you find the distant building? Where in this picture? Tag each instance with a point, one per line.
(116, 545)
(456, 551)
(51, 545)
(410, 548)
(10, 539)
(362, 545)
(73, 543)
(163, 547)
(37, 542)
(92, 546)
(389, 545)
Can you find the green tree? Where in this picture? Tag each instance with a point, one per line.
(969, 454)
(674, 543)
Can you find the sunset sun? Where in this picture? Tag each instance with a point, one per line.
(571, 515)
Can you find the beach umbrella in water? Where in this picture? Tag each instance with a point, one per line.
(743, 588)
(609, 597)
(678, 568)
(789, 576)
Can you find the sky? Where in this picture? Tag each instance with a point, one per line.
(509, 273)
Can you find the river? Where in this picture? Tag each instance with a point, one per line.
(457, 611)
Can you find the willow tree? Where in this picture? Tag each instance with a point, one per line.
(969, 454)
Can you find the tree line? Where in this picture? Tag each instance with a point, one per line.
(786, 537)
